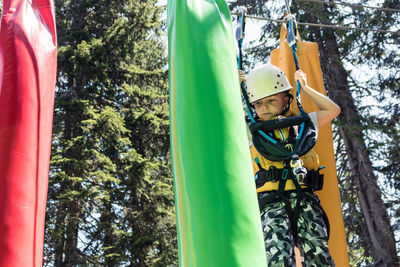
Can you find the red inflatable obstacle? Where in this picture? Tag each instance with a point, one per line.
(28, 56)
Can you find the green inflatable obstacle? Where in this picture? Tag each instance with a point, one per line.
(216, 205)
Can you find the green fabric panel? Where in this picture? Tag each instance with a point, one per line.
(216, 205)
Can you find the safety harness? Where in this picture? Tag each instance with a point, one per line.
(273, 149)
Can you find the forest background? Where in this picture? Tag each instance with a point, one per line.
(110, 198)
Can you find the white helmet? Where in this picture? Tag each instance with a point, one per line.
(266, 80)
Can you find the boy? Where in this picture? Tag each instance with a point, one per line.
(268, 90)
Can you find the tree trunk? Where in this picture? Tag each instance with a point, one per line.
(72, 230)
(381, 236)
(59, 245)
(72, 207)
(109, 240)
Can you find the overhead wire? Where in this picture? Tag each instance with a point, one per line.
(353, 5)
(288, 4)
(322, 25)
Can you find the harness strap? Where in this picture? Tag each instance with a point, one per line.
(296, 210)
(288, 206)
(294, 172)
(313, 180)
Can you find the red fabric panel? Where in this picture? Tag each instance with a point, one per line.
(28, 55)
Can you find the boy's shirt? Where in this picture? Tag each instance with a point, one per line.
(310, 159)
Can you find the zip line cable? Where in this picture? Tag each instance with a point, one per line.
(323, 25)
(353, 5)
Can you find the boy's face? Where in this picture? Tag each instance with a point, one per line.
(269, 107)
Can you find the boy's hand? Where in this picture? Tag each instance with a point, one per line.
(242, 77)
(301, 77)
(328, 110)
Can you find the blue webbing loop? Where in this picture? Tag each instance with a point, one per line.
(296, 62)
(285, 174)
(240, 29)
(287, 4)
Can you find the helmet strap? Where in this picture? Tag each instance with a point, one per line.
(286, 109)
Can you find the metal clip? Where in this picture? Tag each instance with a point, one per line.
(241, 22)
(291, 29)
(298, 169)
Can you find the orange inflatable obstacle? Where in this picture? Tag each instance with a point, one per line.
(28, 55)
(308, 58)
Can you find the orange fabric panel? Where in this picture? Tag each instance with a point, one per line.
(308, 57)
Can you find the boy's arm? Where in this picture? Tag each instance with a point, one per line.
(328, 110)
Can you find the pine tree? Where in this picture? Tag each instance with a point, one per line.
(110, 194)
(355, 125)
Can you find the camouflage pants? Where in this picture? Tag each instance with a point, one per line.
(311, 228)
